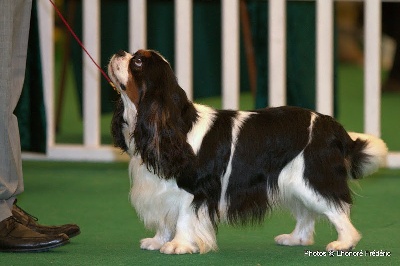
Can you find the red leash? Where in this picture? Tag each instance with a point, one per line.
(81, 44)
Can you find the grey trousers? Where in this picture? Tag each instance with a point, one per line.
(14, 34)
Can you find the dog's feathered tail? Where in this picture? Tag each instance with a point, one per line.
(366, 155)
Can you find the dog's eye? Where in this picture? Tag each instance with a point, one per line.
(138, 62)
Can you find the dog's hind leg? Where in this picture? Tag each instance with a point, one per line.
(313, 203)
(296, 195)
(348, 236)
(303, 233)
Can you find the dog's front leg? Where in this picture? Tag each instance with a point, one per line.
(162, 236)
(184, 239)
(194, 230)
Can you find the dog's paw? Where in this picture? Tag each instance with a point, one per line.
(290, 240)
(151, 243)
(340, 245)
(178, 247)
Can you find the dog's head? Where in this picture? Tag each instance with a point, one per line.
(162, 114)
(134, 73)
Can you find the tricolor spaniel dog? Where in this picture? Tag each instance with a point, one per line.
(193, 167)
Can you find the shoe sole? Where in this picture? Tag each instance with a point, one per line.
(42, 249)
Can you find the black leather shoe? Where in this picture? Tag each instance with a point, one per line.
(30, 221)
(15, 237)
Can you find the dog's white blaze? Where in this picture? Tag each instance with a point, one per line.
(237, 124)
(120, 69)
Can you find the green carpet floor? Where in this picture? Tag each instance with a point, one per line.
(95, 196)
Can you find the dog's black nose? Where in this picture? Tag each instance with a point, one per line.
(121, 53)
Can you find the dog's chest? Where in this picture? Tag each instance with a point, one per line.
(153, 198)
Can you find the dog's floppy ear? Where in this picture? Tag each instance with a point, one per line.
(165, 116)
(117, 124)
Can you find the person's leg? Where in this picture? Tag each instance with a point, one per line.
(14, 32)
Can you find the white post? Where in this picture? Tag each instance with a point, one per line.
(91, 75)
(46, 24)
(137, 25)
(372, 77)
(277, 52)
(230, 54)
(324, 63)
(184, 45)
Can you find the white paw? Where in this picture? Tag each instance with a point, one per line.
(340, 245)
(151, 243)
(178, 247)
(290, 240)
